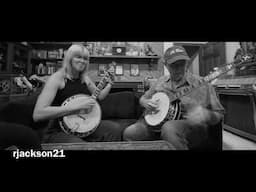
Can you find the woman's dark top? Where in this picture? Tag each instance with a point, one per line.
(72, 87)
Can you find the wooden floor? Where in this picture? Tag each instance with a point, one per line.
(235, 142)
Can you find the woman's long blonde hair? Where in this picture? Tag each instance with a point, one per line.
(66, 64)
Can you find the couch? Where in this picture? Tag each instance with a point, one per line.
(122, 107)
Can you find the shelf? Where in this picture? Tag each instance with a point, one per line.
(5, 48)
(47, 59)
(20, 57)
(124, 57)
(110, 58)
(125, 84)
(20, 45)
(19, 67)
(49, 45)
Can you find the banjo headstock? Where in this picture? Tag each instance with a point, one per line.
(110, 72)
(248, 58)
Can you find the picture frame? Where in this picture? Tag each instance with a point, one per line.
(90, 46)
(101, 69)
(119, 70)
(134, 70)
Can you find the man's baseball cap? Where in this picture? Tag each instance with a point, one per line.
(175, 53)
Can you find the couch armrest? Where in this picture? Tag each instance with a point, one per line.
(20, 112)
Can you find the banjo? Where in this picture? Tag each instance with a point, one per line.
(86, 122)
(169, 106)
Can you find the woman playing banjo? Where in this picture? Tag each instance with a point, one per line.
(70, 80)
(199, 110)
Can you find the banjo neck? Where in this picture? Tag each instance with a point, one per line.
(217, 73)
(103, 81)
(100, 86)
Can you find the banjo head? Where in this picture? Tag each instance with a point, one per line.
(82, 124)
(164, 104)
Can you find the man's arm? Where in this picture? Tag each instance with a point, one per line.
(214, 117)
(216, 110)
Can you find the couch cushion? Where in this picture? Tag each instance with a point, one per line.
(17, 112)
(20, 112)
(120, 105)
(139, 109)
(18, 135)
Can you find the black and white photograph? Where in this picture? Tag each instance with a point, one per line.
(135, 70)
(119, 69)
(202, 98)
(102, 68)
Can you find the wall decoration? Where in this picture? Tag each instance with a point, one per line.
(134, 71)
(101, 69)
(119, 69)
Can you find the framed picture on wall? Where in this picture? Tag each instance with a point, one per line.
(90, 47)
(119, 70)
(134, 71)
(102, 67)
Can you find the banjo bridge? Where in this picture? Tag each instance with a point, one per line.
(76, 128)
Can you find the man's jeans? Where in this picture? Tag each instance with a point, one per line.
(182, 134)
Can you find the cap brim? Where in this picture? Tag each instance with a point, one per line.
(178, 57)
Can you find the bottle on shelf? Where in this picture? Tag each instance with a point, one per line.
(41, 69)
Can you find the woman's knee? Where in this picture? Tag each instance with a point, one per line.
(135, 132)
(129, 132)
(111, 127)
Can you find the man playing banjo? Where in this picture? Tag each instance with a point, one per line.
(199, 110)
